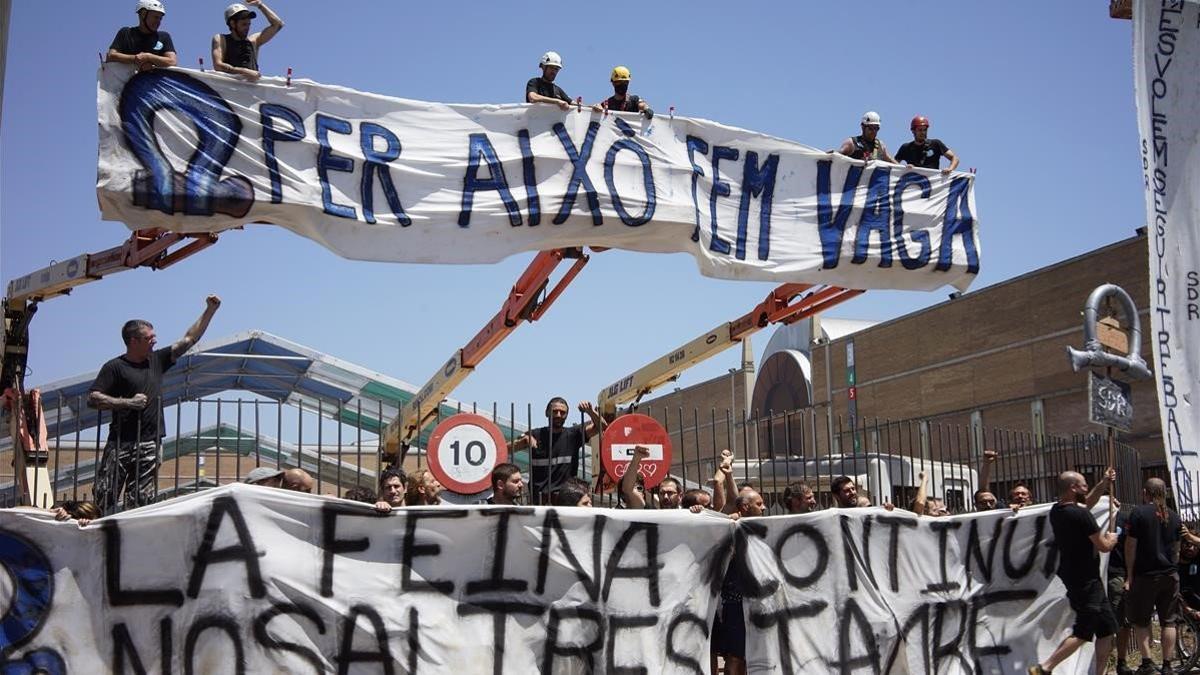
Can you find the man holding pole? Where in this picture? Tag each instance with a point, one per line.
(1079, 541)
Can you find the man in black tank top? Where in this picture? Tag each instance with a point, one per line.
(236, 52)
(622, 100)
(866, 146)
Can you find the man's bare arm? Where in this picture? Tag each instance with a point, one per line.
(1106, 541)
(727, 483)
(276, 23)
(194, 333)
(953, 161)
(1093, 496)
(102, 401)
(718, 483)
(885, 155)
(521, 442)
(629, 480)
(115, 56)
(985, 471)
(534, 97)
(918, 506)
(595, 422)
(142, 59)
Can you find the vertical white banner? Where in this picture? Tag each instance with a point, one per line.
(1166, 46)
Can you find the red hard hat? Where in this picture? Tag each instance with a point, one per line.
(919, 120)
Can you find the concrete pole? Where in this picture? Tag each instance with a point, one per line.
(6, 15)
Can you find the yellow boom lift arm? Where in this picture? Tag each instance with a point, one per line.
(144, 248)
(786, 304)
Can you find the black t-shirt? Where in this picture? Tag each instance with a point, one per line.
(131, 40)
(927, 156)
(1073, 527)
(122, 379)
(1116, 559)
(552, 463)
(540, 86)
(630, 103)
(239, 53)
(1156, 540)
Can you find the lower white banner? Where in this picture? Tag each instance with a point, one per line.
(244, 579)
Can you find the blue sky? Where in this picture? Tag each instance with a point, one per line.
(1038, 97)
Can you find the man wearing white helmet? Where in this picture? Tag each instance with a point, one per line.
(144, 45)
(236, 52)
(868, 145)
(542, 89)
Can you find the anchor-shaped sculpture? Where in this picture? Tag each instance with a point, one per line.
(1092, 355)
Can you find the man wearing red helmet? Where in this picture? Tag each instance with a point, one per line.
(923, 151)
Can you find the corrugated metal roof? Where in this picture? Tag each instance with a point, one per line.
(266, 365)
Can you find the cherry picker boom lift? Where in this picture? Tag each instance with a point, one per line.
(144, 248)
(524, 303)
(786, 304)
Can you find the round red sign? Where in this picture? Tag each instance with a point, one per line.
(463, 450)
(629, 431)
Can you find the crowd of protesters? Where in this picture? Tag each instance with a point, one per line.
(1153, 569)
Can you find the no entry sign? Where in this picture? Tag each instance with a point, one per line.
(629, 431)
(463, 450)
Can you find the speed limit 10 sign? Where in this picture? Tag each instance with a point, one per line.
(463, 450)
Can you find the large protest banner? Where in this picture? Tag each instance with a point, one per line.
(1166, 52)
(379, 178)
(248, 579)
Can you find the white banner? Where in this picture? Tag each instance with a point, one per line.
(1166, 39)
(247, 579)
(379, 178)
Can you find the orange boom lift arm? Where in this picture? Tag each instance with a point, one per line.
(525, 302)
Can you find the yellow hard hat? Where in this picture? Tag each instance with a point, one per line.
(620, 74)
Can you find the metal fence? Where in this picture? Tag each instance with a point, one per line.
(886, 457)
(212, 442)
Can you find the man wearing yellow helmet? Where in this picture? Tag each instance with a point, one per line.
(144, 45)
(622, 100)
(236, 52)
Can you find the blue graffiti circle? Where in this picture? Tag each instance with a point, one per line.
(33, 589)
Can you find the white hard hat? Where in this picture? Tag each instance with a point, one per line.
(551, 59)
(871, 117)
(151, 6)
(237, 8)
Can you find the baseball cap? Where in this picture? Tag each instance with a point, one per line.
(260, 474)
